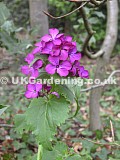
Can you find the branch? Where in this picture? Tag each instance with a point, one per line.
(102, 83)
(103, 144)
(7, 125)
(90, 34)
(78, 1)
(96, 3)
(49, 15)
(112, 131)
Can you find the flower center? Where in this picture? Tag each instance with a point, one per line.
(57, 66)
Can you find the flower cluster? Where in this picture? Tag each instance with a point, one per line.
(39, 90)
(62, 58)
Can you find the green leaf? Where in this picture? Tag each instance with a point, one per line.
(6, 39)
(99, 134)
(4, 13)
(99, 14)
(102, 154)
(20, 123)
(76, 91)
(49, 154)
(65, 91)
(59, 151)
(61, 148)
(12, 43)
(75, 157)
(2, 108)
(93, 20)
(8, 26)
(43, 116)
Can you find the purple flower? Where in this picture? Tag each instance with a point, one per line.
(73, 54)
(39, 46)
(29, 58)
(61, 68)
(63, 55)
(47, 48)
(75, 68)
(32, 71)
(83, 73)
(47, 88)
(63, 51)
(51, 49)
(53, 36)
(29, 71)
(33, 90)
(38, 64)
(67, 39)
(54, 50)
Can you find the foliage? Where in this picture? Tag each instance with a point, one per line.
(8, 33)
(2, 109)
(45, 117)
(19, 11)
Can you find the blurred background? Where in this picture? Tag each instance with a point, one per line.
(22, 23)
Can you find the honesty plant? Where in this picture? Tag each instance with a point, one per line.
(62, 58)
(54, 55)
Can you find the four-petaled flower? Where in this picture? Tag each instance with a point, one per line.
(62, 68)
(83, 73)
(33, 90)
(53, 36)
(73, 54)
(33, 70)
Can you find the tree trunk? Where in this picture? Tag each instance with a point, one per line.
(107, 47)
(37, 17)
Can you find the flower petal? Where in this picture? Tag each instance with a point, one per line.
(73, 71)
(38, 86)
(74, 57)
(57, 42)
(60, 35)
(34, 73)
(50, 69)
(47, 48)
(25, 70)
(55, 52)
(38, 44)
(31, 87)
(62, 72)
(29, 58)
(36, 50)
(66, 64)
(56, 94)
(38, 64)
(53, 32)
(83, 73)
(73, 50)
(63, 55)
(29, 94)
(46, 38)
(54, 60)
(68, 38)
(46, 87)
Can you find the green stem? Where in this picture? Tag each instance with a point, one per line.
(40, 152)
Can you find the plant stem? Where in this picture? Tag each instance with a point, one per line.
(40, 152)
